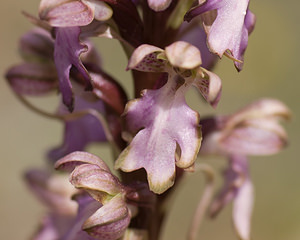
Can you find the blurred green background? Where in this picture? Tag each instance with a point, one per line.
(271, 70)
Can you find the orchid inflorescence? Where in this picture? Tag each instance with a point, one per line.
(156, 138)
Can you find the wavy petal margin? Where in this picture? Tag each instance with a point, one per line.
(164, 122)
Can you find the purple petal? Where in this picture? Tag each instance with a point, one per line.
(82, 131)
(32, 78)
(110, 221)
(69, 162)
(65, 13)
(66, 53)
(165, 120)
(159, 5)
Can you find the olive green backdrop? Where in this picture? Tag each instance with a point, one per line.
(271, 70)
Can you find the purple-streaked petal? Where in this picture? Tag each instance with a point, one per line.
(32, 78)
(159, 5)
(54, 191)
(110, 221)
(100, 184)
(183, 55)
(235, 18)
(165, 120)
(144, 59)
(69, 162)
(209, 85)
(37, 44)
(66, 13)
(66, 54)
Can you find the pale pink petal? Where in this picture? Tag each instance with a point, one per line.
(96, 181)
(65, 13)
(254, 137)
(102, 11)
(183, 55)
(144, 58)
(230, 29)
(263, 108)
(242, 210)
(159, 5)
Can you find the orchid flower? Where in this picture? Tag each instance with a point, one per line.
(163, 115)
(227, 28)
(254, 130)
(92, 175)
(155, 137)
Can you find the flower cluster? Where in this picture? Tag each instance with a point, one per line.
(155, 137)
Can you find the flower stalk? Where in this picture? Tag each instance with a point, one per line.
(155, 136)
